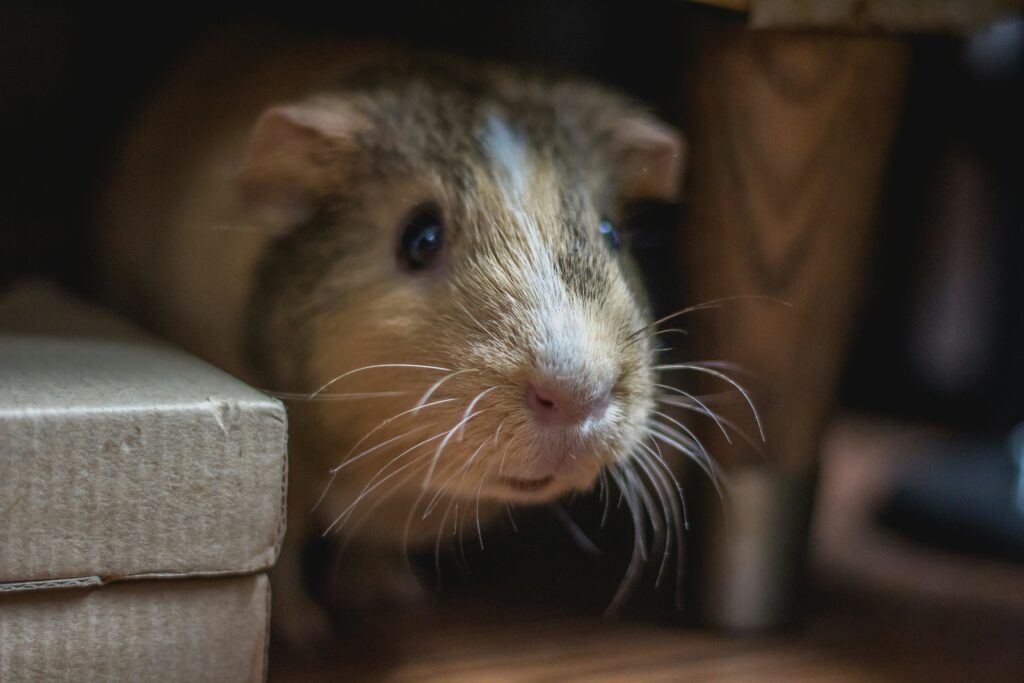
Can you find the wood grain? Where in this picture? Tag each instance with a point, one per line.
(790, 136)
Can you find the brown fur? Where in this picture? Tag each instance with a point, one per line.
(255, 219)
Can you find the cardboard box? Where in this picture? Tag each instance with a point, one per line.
(193, 630)
(124, 458)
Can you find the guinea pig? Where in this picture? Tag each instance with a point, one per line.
(421, 255)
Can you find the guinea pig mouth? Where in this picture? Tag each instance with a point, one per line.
(527, 485)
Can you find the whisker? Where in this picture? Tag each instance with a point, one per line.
(460, 523)
(447, 438)
(374, 367)
(678, 509)
(296, 396)
(351, 459)
(670, 330)
(689, 433)
(736, 429)
(367, 488)
(708, 466)
(408, 527)
(607, 498)
(344, 513)
(461, 470)
(479, 490)
(575, 532)
(434, 387)
(657, 483)
(334, 471)
(352, 528)
(501, 466)
(480, 486)
(713, 303)
(680, 443)
(392, 419)
(634, 502)
(658, 531)
(725, 378)
(508, 512)
(700, 404)
(684, 444)
(660, 460)
(472, 404)
(498, 431)
(636, 560)
(722, 365)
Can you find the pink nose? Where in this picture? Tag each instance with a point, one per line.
(565, 403)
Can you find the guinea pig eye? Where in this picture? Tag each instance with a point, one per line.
(610, 234)
(422, 240)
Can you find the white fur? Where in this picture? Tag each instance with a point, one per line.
(508, 149)
(564, 334)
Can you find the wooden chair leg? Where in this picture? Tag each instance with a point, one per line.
(790, 135)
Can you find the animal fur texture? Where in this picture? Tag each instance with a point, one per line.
(255, 217)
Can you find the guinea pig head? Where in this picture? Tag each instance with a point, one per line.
(451, 292)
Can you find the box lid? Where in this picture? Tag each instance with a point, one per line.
(123, 457)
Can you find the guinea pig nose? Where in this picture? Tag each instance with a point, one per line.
(563, 402)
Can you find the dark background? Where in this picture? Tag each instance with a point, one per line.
(941, 337)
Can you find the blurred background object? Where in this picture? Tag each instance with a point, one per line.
(943, 325)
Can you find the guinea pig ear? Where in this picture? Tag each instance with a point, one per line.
(651, 157)
(294, 159)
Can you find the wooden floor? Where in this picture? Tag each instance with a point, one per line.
(877, 609)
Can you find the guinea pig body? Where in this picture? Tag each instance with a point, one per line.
(420, 255)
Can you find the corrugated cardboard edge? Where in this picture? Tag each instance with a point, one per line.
(20, 307)
(256, 564)
(192, 630)
(97, 581)
(26, 586)
(282, 511)
(267, 602)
